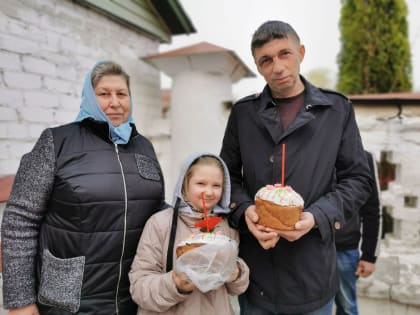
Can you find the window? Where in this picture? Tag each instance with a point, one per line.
(386, 169)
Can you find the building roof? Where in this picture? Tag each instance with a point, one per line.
(159, 19)
(174, 16)
(199, 57)
(386, 99)
(199, 48)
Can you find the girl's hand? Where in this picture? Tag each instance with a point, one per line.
(183, 284)
(236, 274)
(31, 309)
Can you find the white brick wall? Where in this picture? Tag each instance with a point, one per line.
(46, 48)
(34, 115)
(16, 131)
(17, 45)
(40, 98)
(14, 79)
(396, 279)
(10, 97)
(39, 66)
(9, 61)
(7, 113)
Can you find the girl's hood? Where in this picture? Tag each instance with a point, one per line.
(223, 205)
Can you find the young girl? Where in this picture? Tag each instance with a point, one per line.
(157, 290)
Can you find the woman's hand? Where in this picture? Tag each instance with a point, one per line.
(31, 309)
(267, 239)
(183, 284)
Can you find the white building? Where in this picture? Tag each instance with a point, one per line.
(390, 127)
(201, 96)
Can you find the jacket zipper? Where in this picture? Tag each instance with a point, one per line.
(125, 229)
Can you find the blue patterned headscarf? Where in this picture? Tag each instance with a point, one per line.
(90, 108)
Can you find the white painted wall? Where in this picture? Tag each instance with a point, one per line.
(198, 119)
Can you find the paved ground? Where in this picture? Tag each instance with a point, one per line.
(4, 312)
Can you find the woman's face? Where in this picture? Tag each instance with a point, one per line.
(113, 98)
(207, 179)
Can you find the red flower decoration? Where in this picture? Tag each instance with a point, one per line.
(208, 223)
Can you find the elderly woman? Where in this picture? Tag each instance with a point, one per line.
(78, 206)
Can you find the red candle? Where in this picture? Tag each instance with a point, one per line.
(205, 212)
(283, 161)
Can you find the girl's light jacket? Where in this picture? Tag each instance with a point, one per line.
(154, 290)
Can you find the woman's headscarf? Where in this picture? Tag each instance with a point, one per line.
(89, 107)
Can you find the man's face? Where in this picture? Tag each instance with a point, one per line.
(278, 61)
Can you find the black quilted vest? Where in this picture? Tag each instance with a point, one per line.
(102, 196)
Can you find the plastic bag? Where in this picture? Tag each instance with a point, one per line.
(211, 265)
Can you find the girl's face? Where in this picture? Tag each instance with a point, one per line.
(207, 179)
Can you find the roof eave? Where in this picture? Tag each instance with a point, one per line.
(174, 16)
(386, 99)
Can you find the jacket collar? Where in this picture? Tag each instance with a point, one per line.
(268, 113)
(313, 96)
(101, 128)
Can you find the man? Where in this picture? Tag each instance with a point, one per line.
(347, 239)
(292, 272)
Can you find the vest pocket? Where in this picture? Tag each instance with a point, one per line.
(147, 167)
(61, 281)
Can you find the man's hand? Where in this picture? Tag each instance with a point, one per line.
(31, 309)
(267, 239)
(304, 225)
(365, 269)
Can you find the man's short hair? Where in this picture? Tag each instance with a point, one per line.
(272, 30)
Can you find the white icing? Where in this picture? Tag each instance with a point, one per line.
(280, 195)
(204, 238)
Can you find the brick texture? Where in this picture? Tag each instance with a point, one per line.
(46, 48)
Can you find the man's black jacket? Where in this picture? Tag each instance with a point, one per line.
(368, 218)
(322, 141)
